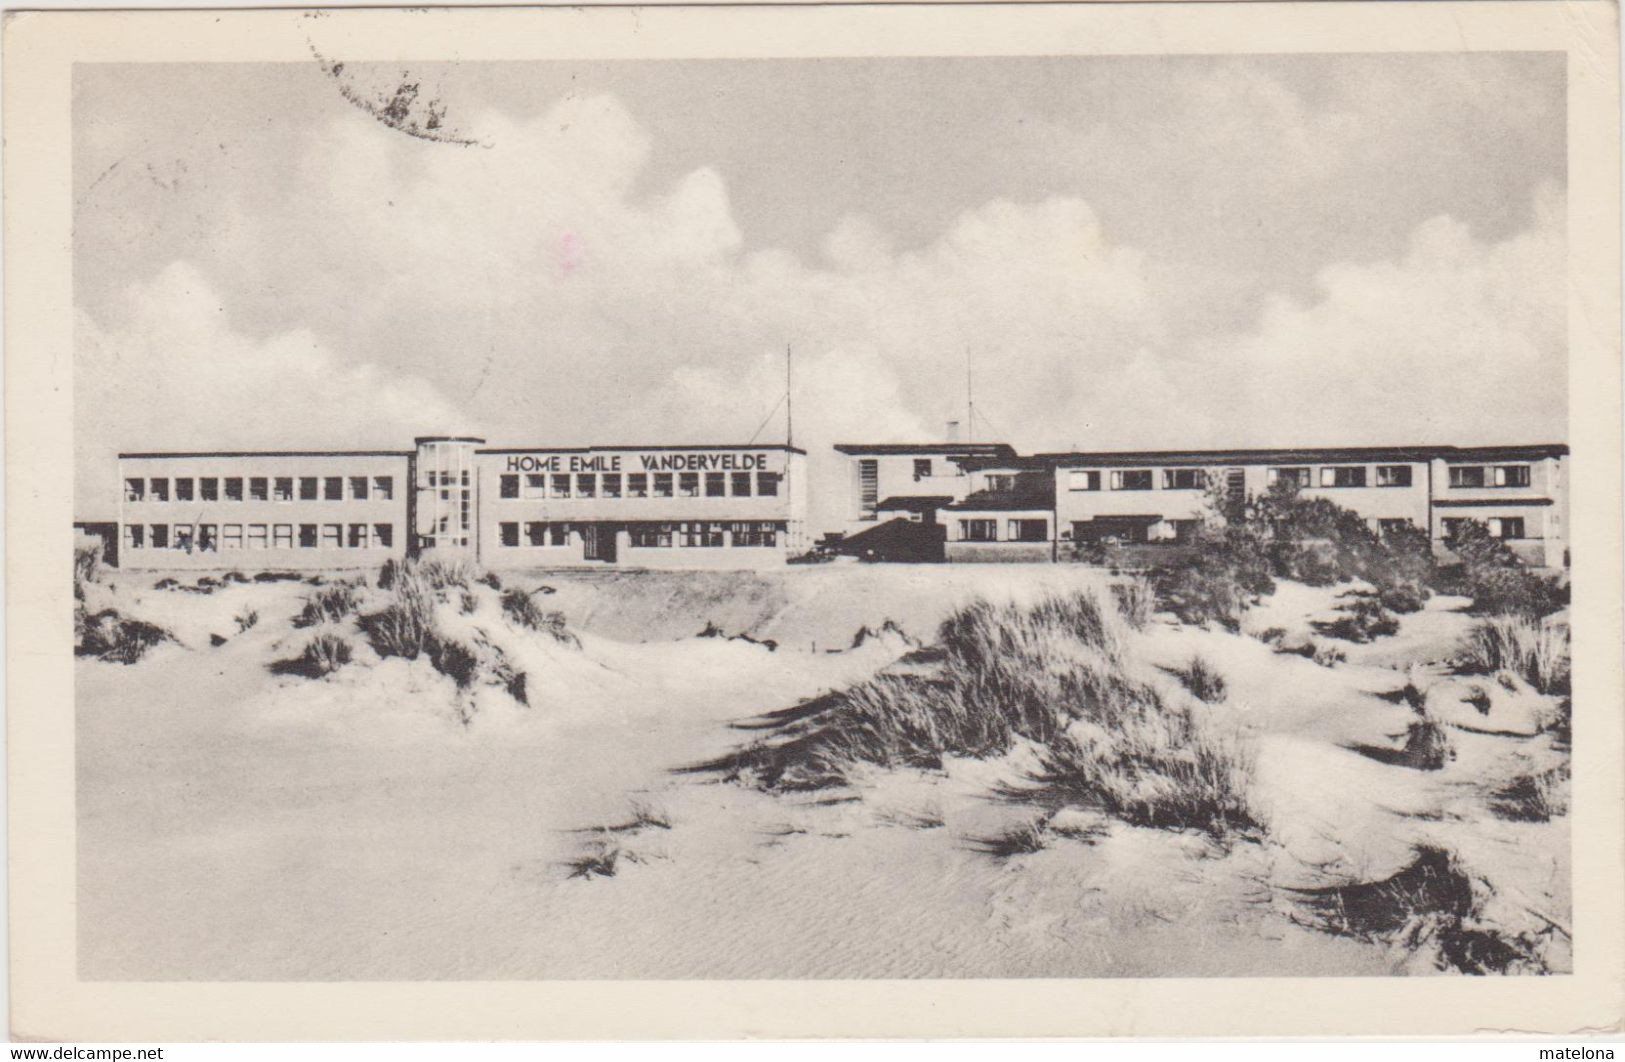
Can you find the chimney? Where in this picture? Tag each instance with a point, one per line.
(953, 431)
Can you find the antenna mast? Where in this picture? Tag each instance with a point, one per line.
(970, 402)
(789, 400)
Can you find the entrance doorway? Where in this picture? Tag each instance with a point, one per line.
(598, 542)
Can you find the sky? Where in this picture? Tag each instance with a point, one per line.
(1119, 252)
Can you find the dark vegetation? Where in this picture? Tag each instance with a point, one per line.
(521, 609)
(107, 635)
(322, 655)
(330, 604)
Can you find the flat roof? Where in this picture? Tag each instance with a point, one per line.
(925, 448)
(1301, 455)
(594, 449)
(267, 453)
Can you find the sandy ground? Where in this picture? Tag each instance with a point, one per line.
(236, 824)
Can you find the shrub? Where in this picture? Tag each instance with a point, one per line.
(454, 659)
(110, 636)
(328, 604)
(1225, 573)
(1362, 619)
(1538, 797)
(325, 654)
(442, 572)
(389, 574)
(1136, 600)
(492, 580)
(247, 619)
(1497, 581)
(522, 610)
(234, 577)
(1201, 680)
(87, 563)
(1024, 839)
(468, 603)
(1536, 650)
(406, 626)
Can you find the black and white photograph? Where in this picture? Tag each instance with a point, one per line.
(825, 517)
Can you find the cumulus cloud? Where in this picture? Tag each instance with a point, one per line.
(542, 291)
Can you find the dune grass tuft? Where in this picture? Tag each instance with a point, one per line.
(1201, 680)
(329, 604)
(522, 610)
(1535, 649)
(108, 635)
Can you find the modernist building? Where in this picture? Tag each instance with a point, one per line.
(690, 506)
(1051, 506)
(897, 492)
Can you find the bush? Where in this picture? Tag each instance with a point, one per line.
(87, 563)
(492, 580)
(328, 604)
(389, 574)
(441, 573)
(247, 619)
(454, 659)
(1362, 619)
(1536, 650)
(522, 610)
(406, 626)
(468, 603)
(1224, 574)
(1136, 599)
(1538, 797)
(1498, 582)
(110, 636)
(325, 654)
(1201, 680)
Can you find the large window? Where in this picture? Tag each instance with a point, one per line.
(739, 484)
(688, 484)
(586, 485)
(767, 484)
(755, 534)
(707, 535)
(1296, 477)
(234, 488)
(208, 488)
(1393, 475)
(160, 489)
(561, 484)
(358, 488)
(183, 537)
(1466, 475)
(333, 488)
(536, 533)
(183, 489)
(716, 484)
(1131, 479)
(259, 489)
(663, 487)
(282, 490)
(651, 536)
(258, 536)
(508, 533)
(308, 488)
(1453, 526)
(135, 536)
(508, 485)
(1028, 530)
(558, 534)
(1393, 526)
(637, 485)
(383, 487)
(282, 536)
(332, 536)
(868, 487)
(1506, 527)
(135, 489)
(231, 536)
(922, 468)
(979, 530)
(1083, 480)
(383, 535)
(1183, 479)
(1512, 476)
(307, 536)
(358, 536)
(611, 485)
(1342, 476)
(536, 486)
(160, 536)
(208, 538)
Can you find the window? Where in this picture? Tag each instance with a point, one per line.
(1393, 475)
(922, 468)
(1392, 526)
(1506, 527)
(561, 485)
(358, 536)
(586, 485)
(383, 487)
(160, 490)
(508, 533)
(259, 488)
(257, 538)
(307, 536)
(160, 536)
(739, 484)
(383, 535)
(358, 488)
(651, 536)
(333, 488)
(1343, 476)
(1453, 526)
(1295, 477)
(703, 535)
(868, 487)
(755, 534)
(1466, 476)
(612, 485)
(1083, 480)
(183, 537)
(662, 485)
(1131, 479)
(1512, 476)
(536, 533)
(559, 534)
(767, 484)
(688, 484)
(637, 485)
(1024, 530)
(1001, 482)
(209, 488)
(332, 536)
(979, 530)
(715, 484)
(1183, 479)
(1184, 530)
(282, 489)
(183, 489)
(234, 488)
(135, 536)
(307, 488)
(135, 489)
(208, 538)
(535, 485)
(508, 486)
(282, 536)
(231, 536)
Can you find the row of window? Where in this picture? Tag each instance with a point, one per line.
(535, 485)
(1489, 476)
(650, 536)
(1302, 476)
(1020, 529)
(1499, 527)
(207, 538)
(260, 488)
